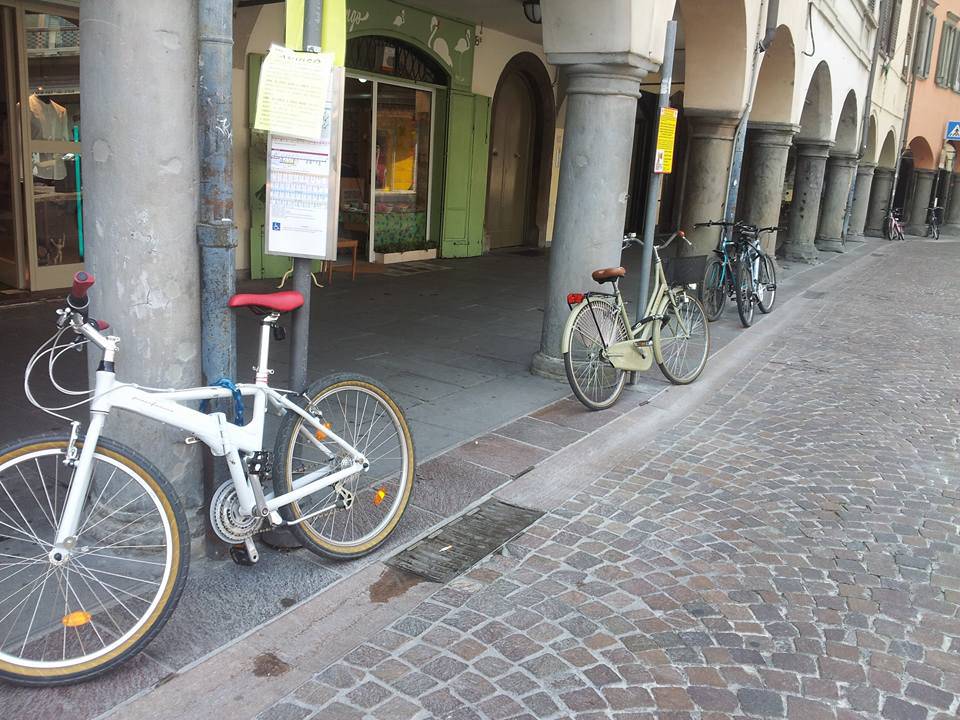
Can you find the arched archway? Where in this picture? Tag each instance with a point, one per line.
(718, 49)
(717, 53)
(773, 98)
(847, 138)
(816, 118)
(769, 138)
(812, 149)
(888, 152)
(521, 150)
(915, 187)
(922, 153)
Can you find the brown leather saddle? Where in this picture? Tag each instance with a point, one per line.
(608, 274)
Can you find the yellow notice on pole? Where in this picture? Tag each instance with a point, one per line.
(666, 135)
(293, 92)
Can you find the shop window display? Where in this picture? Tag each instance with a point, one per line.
(53, 76)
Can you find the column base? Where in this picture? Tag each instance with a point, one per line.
(808, 256)
(950, 229)
(548, 367)
(874, 233)
(831, 245)
(920, 230)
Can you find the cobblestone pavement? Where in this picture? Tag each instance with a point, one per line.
(790, 550)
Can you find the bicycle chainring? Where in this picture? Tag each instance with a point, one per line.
(229, 525)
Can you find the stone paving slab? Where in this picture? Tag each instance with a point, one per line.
(441, 491)
(790, 550)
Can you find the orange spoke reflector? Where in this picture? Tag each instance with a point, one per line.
(321, 435)
(378, 496)
(76, 618)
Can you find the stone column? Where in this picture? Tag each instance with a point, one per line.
(709, 151)
(836, 192)
(592, 192)
(140, 183)
(861, 199)
(769, 146)
(807, 192)
(879, 201)
(951, 216)
(922, 187)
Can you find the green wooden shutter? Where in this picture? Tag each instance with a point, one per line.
(465, 185)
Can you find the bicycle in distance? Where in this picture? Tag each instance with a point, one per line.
(893, 223)
(94, 544)
(741, 270)
(600, 345)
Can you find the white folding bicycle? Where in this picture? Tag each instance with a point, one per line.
(94, 545)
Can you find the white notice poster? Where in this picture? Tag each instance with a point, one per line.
(303, 187)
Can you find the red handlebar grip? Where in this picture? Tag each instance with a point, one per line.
(81, 283)
(102, 325)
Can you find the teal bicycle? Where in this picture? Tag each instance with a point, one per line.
(741, 270)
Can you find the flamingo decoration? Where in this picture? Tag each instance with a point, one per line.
(463, 44)
(439, 45)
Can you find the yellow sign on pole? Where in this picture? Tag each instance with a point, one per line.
(666, 136)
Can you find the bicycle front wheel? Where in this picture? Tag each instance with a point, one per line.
(355, 516)
(935, 230)
(714, 294)
(889, 228)
(766, 284)
(681, 341)
(597, 324)
(68, 616)
(744, 288)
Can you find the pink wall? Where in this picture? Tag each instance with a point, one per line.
(933, 105)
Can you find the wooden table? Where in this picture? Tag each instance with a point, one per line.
(344, 243)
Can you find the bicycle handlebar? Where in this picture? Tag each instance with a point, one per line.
(78, 302)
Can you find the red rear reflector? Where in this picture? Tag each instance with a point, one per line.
(575, 298)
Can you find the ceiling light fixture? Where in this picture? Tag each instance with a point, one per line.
(531, 11)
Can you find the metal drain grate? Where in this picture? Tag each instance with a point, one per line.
(464, 541)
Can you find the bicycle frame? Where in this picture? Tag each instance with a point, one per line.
(633, 354)
(222, 437)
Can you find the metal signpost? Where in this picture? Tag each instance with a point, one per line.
(666, 130)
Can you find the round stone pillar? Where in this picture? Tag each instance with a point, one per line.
(592, 194)
(880, 193)
(920, 201)
(807, 192)
(709, 150)
(861, 199)
(140, 181)
(769, 146)
(836, 192)
(951, 216)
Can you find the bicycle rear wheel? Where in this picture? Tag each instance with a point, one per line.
(935, 230)
(681, 341)
(360, 411)
(766, 284)
(744, 288)
(596, 325)
(69, 617)
(889, 225)
(714, 293)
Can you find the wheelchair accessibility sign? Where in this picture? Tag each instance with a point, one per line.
(953, 130)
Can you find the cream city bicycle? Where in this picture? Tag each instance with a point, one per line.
(94, 545)
(600, 346)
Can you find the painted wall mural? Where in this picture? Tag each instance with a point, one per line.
(450, 42)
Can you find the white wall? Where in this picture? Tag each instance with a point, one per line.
(492, 55)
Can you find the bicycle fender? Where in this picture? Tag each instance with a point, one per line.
(568, 326)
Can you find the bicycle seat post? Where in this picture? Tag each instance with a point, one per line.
(266, 328)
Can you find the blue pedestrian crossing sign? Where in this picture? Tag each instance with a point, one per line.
(953, 130)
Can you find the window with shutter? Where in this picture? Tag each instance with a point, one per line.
(908, 52)
(884, 24)
(925, 38)
(943, 56)
(894, 27)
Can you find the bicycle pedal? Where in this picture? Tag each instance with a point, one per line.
(239, 554)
